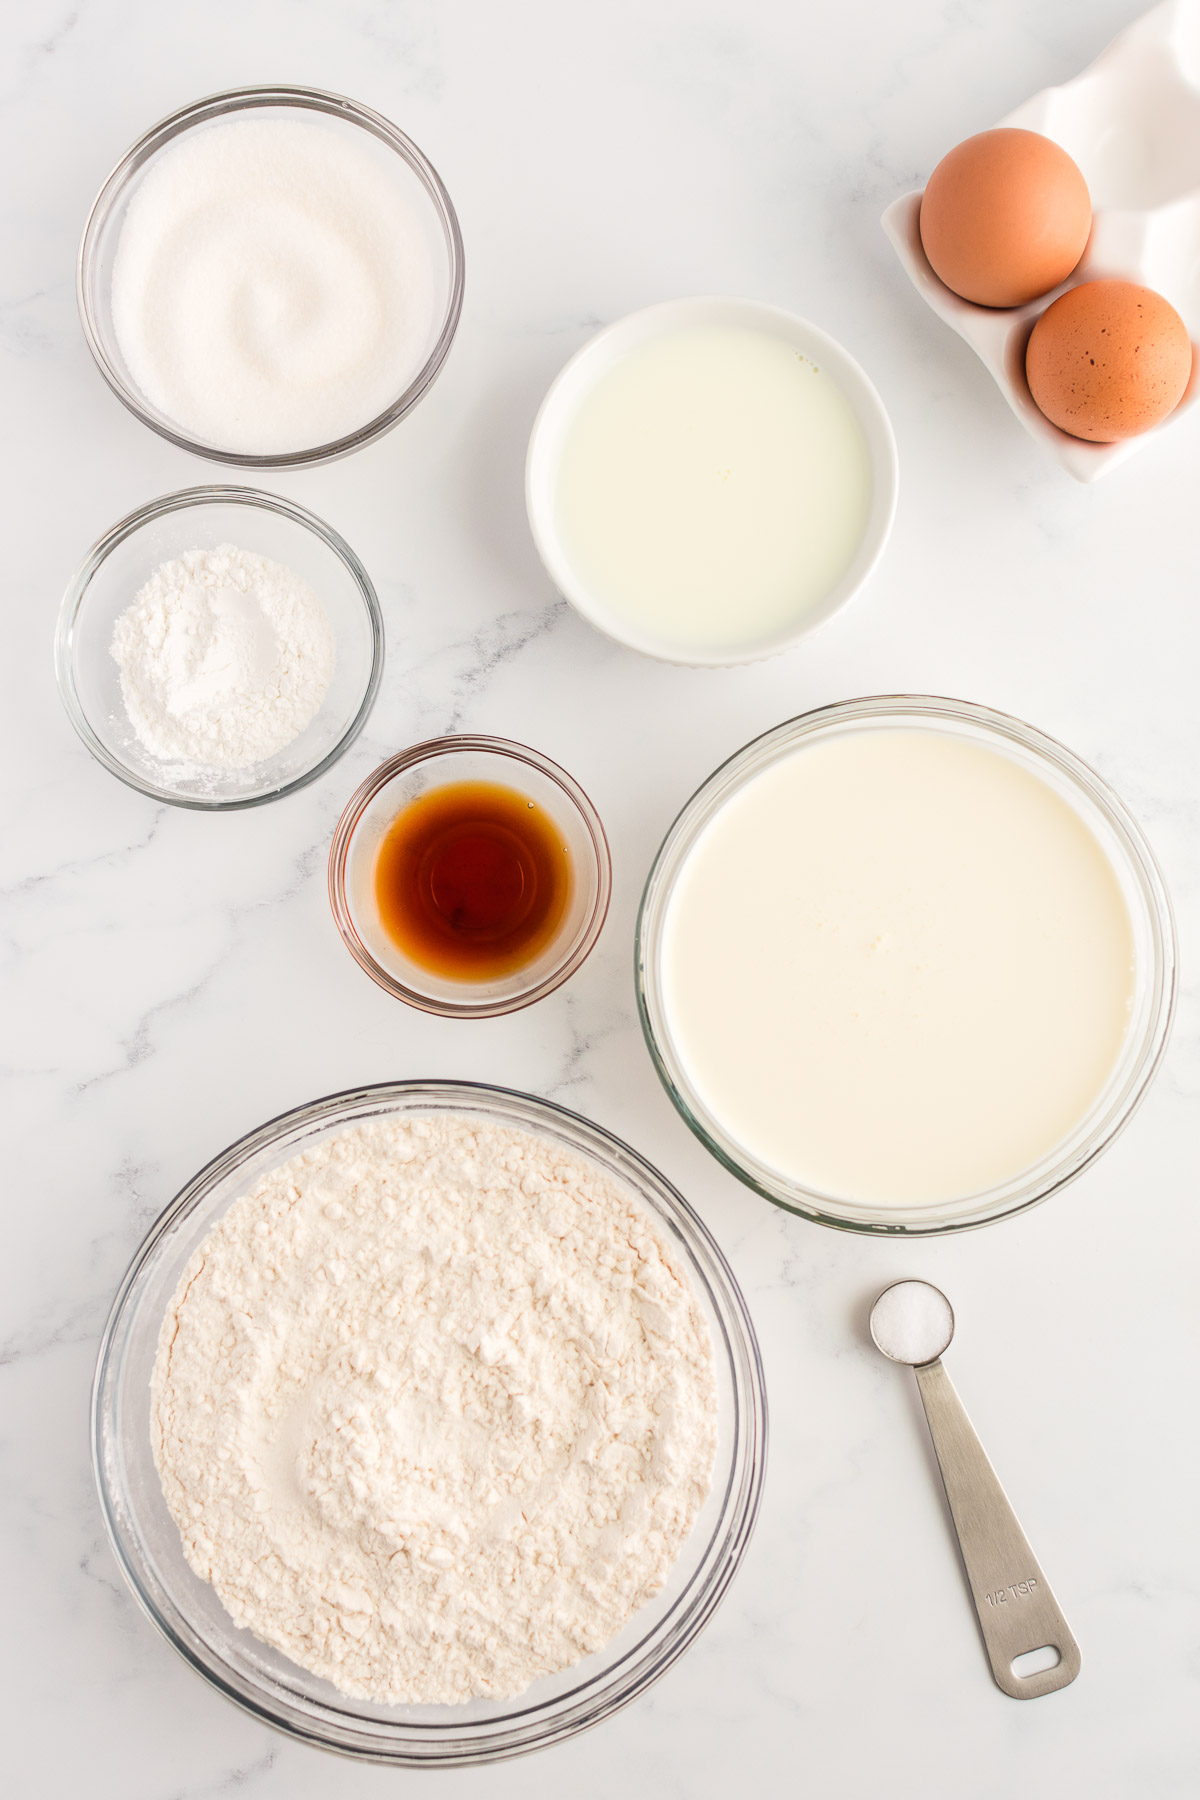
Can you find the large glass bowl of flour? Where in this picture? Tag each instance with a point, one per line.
(295, 543)
(271, 277)
(268, 1684)
(905, 965)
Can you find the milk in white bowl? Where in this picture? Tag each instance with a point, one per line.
(905, 968)
(710, 479)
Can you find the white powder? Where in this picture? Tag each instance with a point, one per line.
(273, 285)
(912, 1322)
(434, 1409)
(225, 657)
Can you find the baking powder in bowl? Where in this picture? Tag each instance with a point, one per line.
(225, 658)
(434, 1409)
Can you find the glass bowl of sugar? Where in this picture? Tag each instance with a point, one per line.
(271, 277)
(219, 648)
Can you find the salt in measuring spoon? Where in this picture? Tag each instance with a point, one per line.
(913, 1322)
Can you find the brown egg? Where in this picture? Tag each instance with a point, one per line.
(1005, 217)
(1108, 360)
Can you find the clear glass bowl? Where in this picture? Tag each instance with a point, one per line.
(1135, 868)
(98, 249)
(266, 1683)
(437, 763)
(201, 519)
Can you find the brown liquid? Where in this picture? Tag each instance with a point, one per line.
(472, 880)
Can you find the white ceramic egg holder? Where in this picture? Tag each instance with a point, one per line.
(1132, 123)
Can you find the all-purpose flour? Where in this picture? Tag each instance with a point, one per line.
(225, 657)
(434, 1409)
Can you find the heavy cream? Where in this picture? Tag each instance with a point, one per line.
(897, 967)
(713, 487)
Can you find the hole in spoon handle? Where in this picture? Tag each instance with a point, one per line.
(1017, 1611)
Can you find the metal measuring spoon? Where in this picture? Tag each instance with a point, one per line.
(913, 1322)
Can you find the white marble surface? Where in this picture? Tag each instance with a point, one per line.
(172, 980)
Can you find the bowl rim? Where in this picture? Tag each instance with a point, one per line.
(75, 598)
(657, 320)
(218, 105)
(474, 1742)
(1069, 1159)
(427, 751)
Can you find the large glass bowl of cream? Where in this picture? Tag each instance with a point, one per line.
(905, 965)
(271, 277)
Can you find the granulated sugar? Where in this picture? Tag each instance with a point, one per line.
(434, 1409)
(273, 286)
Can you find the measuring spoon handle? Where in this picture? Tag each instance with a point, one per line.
(1017, 1610)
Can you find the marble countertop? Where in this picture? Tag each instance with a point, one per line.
(174, 979)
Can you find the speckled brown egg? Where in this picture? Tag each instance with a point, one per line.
(1108, 360)
(1005, 217)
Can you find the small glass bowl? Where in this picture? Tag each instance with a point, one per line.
(266, 1683)
(1141, 884)
(98, 249)
(437, 763)
(202, 519)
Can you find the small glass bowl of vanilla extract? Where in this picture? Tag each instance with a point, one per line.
(469, 876)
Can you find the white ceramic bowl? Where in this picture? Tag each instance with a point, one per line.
(577, 379)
